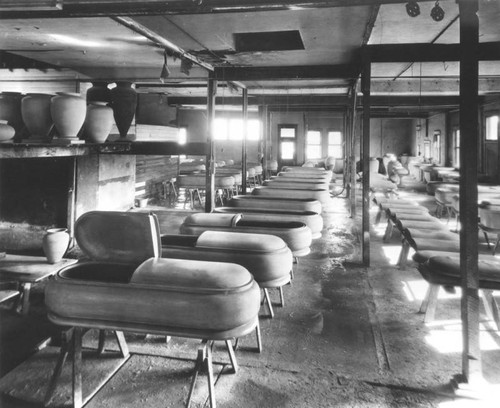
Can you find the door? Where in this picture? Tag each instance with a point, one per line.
(287, 145)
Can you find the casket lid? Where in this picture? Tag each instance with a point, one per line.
(212, 219)
(115, 236)
(192, 276)
(240, 241)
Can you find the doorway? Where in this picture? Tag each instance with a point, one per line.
(287, 145)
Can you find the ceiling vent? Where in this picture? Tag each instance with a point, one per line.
(268, 41)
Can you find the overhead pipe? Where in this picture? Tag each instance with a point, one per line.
(158, 39)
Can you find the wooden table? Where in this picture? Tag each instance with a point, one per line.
(26, 270)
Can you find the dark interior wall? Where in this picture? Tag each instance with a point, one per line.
(35, 191)
(388, 135)
(153, 109)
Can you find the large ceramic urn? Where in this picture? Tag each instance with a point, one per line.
(124, 104)
(6, 132)
(10, 110)
(98, 122)
(55, 243)
(68, 112)
(35, 110)
(99, 92)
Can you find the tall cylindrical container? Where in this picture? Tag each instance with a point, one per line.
(10, 110)
(98, 122)
(68, 112)
(35, 110)
(124, 104)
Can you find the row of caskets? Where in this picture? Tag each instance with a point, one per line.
(203, 283)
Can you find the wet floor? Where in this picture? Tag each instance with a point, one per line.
(348, 336)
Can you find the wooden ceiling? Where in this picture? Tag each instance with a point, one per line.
(124, 39)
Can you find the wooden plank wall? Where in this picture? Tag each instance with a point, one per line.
(153, 170)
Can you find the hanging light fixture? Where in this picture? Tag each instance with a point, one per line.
(165, 72)
(437, 13)
(412, 8)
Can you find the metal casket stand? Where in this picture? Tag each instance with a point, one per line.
(127, 287)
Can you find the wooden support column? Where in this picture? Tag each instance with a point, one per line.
(244, 143)
(469, 131)
(210, 161)
(365, 160)
(352, 155)
(264, 151)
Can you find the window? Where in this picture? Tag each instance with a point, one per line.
(456, 148)
(437, 146)
(182, 135)
(287, 140)
(232, 129)
(313, 144)
(335, 148)
(492, 127)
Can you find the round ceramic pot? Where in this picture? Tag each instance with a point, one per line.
(272, 165)
(99, 92)
(55, 243)
(124, 104)
(98, 122)
(10, 109)
(7, 132)
(68, 112)
(35, 109)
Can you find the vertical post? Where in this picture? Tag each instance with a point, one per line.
(365, 160)
(469, 130)
(264, 120)
(210, 161)
(244, 143)
(352, 158)
(71, 218)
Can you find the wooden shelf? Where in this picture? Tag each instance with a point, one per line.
(28, 151)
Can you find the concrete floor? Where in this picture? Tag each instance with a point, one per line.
(348, 336)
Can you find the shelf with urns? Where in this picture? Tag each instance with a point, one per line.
(45, 125)
(47, 150)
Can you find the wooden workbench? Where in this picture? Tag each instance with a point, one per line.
(26, 270)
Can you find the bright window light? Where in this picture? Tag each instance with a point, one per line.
(253, 132)
(492, 128)
(235, 129)
(182, 135)
(220, 129)
(66, 39)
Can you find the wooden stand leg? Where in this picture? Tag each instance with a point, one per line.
(77, 368)
(259, 338)
(232, 356)
(102, 341)
(268, 302)
(432, 303)
(403, 256)
(122, 344)
(491, 306)
(66, 348)
(210, 377)
(282, 297)
(203, 362)
(388, 231)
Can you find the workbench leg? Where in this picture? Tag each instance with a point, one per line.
(259, 337)
(23, 302)
(431, 303)
(77, 368)
(101, 342)
(282, 297)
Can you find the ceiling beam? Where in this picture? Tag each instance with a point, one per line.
(343, 71)
(161, 41)
(99, 8)
(425, 52)
(449, 86)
